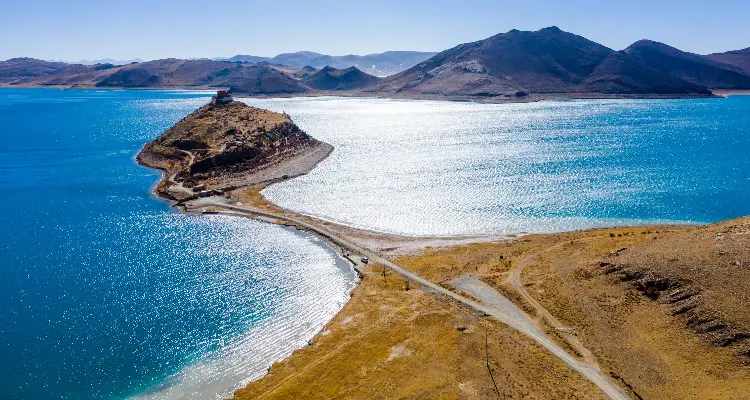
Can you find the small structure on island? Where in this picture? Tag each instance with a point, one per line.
(222, 97)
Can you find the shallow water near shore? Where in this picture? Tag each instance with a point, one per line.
(105, 293)
(451, 168)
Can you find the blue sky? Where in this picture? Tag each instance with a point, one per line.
(74, 30)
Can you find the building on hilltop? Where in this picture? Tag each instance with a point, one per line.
(222, 97)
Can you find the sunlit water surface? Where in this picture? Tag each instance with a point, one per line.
(107, 294)
(449, 168)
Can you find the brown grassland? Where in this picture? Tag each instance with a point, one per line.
(391, 343)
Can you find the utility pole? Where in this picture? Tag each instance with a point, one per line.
(487, 361)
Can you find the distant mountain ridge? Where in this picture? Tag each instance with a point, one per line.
(102, 61)
(330, 78)
(547, 61)
(516, 65)
(379, 64)
(694, 68)
(739, 59)
(245, 78)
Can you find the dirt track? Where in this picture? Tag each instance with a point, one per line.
(492, 303)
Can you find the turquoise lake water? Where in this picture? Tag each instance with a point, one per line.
(105, 293)
(450, 168)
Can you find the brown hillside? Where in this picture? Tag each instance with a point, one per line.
(694, 68)
(739, 59)
(542, 62)
(663, 309)
(330, 78)
(244, 78)
(221, 145)
(701, 276)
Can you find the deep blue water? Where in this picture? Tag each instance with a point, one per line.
(105, 292)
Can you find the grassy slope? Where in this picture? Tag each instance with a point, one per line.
(636, 339)
(391, 343)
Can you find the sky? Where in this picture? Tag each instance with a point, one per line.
(86, 30)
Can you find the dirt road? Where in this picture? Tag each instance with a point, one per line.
(492, 303)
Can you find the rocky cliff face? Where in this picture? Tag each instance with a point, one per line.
(222, 143)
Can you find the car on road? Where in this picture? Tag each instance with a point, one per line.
(364, 260)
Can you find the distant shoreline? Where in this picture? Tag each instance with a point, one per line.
(530, 98)
(727, 93)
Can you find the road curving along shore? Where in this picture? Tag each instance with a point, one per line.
(224, 147)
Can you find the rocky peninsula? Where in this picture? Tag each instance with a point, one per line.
(629, 312)
(222, 146)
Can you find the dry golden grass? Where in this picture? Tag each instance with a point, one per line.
(633, 338)
(396, 344)
(637, 340)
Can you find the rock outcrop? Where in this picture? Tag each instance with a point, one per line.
(228, 145)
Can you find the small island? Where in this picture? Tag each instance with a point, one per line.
(227, 144)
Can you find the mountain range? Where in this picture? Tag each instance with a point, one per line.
(102, 61)
(551, 61)
(379, 64)
(528, 65)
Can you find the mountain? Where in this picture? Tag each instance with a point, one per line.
(33, 72)
(384, 64)
(694, 68)
(106, 61)
(244, 78)
(740, 59)
(620, 73)
(20, 68)
(167, 73)
(380, 64)
(330, 78)
(547, 61)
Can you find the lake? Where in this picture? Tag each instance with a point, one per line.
(105, 293)
(452, 168)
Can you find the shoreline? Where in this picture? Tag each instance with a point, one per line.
(530, 98)
(351, 243)
(342, 260)
(353, 252)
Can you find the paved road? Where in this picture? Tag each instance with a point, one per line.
(493, 304)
